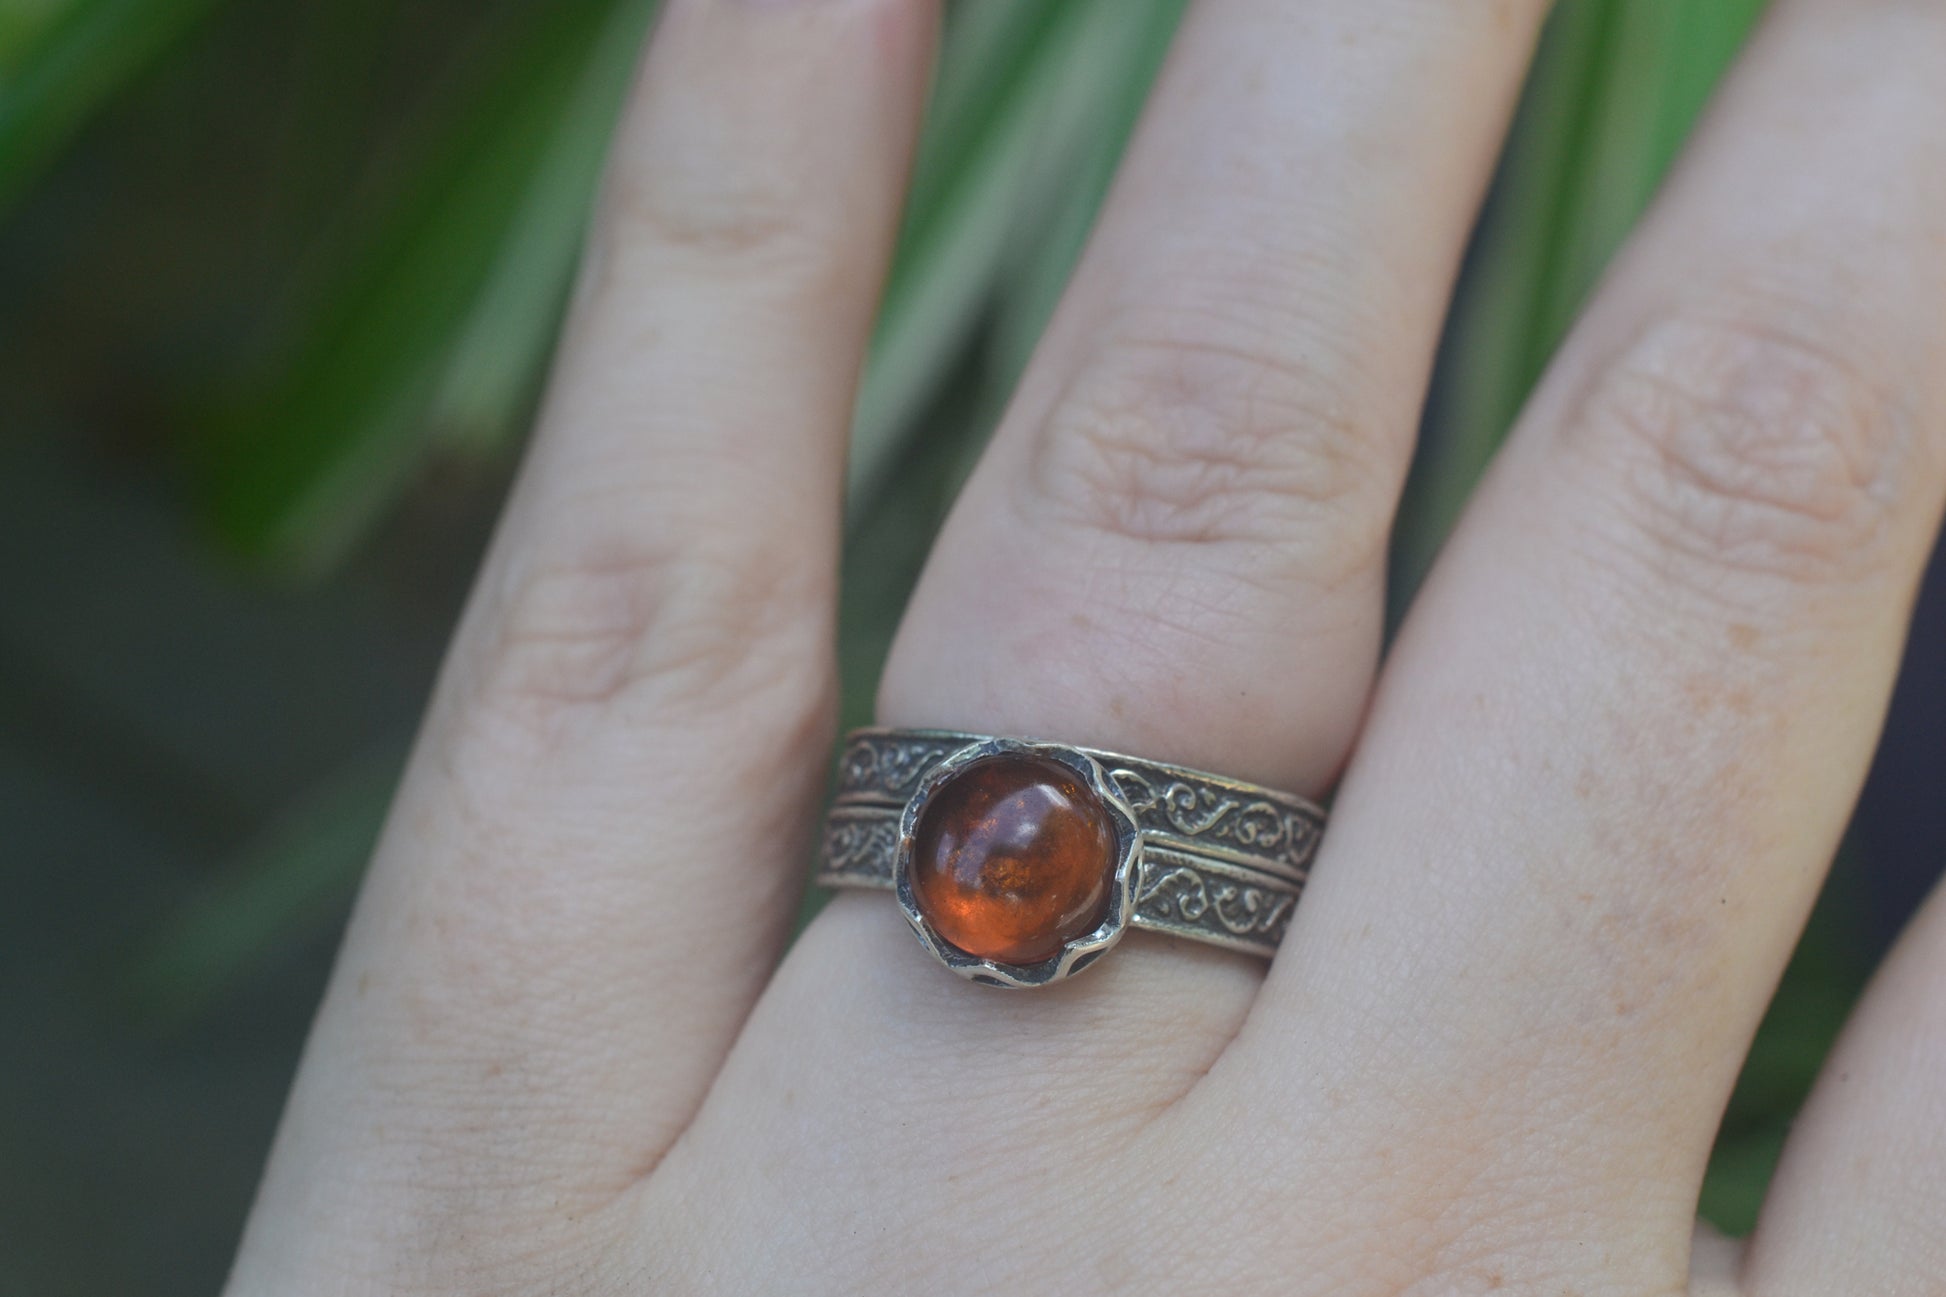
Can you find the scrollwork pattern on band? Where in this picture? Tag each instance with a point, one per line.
(1211, 814)
(880, 767)
(859, 848)
(1213, 901)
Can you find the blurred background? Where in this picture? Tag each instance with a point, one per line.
(279, 280)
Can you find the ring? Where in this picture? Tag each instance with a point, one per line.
(1020, 862)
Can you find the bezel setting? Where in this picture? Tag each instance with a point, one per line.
(1077, 954)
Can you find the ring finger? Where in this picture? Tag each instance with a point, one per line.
(1174, 546)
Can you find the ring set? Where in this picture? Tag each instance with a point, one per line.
(1019, 863)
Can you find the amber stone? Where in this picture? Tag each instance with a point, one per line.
(1013, 857)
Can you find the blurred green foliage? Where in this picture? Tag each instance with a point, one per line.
(424, 321)
(430, 234)
(60, 60)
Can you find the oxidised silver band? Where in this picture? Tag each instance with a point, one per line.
(1221, 861)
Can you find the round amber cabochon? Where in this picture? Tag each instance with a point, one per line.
(1013, 857)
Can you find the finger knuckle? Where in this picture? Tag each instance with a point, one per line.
(1176, 441)
(1747, 447)
(733, 228)
(731, 224)
(620, 621)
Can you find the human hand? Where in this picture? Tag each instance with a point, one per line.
(1592, 795)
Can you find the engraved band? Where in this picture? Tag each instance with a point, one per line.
(1221, 861)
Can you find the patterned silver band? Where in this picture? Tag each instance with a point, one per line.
(1221, 861)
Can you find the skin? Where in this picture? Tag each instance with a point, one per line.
(1583, 808)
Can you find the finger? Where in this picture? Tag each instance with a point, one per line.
(599, 843)
(1627, 720)
(1175, 545)
(1858, 1204)
(1172, 548)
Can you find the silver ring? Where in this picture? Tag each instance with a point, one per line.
(1020, 862)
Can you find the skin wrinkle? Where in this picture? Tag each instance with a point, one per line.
(1209, 443)
(1751, 450)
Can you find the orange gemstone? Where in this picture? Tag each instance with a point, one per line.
(1012, 858)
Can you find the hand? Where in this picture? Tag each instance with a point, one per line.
(1592, 794)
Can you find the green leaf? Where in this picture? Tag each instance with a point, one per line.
(1827, 974)
(1739, 1175)
(1615, 89)
(1106, 89)
(22, 24)
(1021, 83)
(504, 348)
(295, 476)
(61, 60)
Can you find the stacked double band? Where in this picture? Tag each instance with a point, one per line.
(1220, 861)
